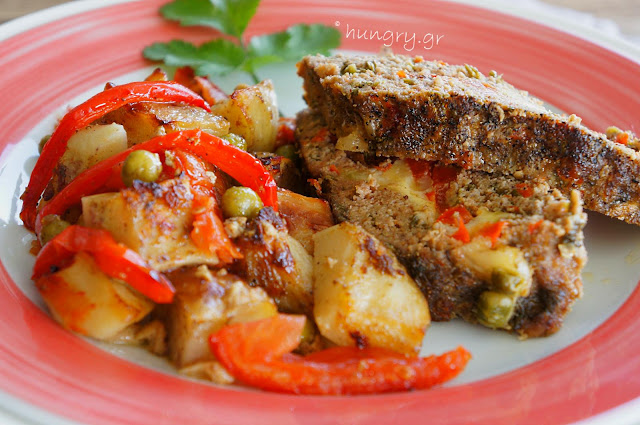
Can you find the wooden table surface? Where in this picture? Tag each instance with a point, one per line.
(626, 13)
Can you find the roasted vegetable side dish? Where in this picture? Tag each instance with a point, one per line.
(173, 216)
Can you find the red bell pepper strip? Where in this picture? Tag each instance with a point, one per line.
(113, 258)
(239, 164)
(493, 231)
(86, 113)
(208, 231)
(259, 354)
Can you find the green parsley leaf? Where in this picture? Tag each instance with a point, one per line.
(217, 57)
(291, 44)
(229, 16)
(221, 56)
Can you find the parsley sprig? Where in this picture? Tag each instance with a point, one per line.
(221, 56)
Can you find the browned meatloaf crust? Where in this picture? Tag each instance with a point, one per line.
(401, 106)
(542, 225)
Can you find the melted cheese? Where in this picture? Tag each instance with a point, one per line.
(353, 142)
(399, 178)
(485, 218)
(489, 263)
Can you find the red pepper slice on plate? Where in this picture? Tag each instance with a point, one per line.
(259, 354)
(113, 258)
(208, 231)
(86, 113)
(239, 164)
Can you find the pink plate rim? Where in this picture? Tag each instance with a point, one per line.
(55, 371)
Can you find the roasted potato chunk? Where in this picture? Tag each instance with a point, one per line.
(203, 303)
(87, 301)
(143, 121)
(252, 113)
(304, 216)
(363, 296)
(153, 219)
(157, 75)
(283, 170)
(86, 148)
(275, 261)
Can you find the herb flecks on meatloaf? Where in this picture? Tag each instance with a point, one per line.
(491, 250)
(395, 105)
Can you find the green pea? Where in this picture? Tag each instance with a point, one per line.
(52, 226)
(236, 140)
(241, 201)
(43, 141)
(141, 165)
(495, 309)
(288, 151)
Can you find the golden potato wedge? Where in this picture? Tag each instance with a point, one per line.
(87, 301)
(143, 121)
(275, 261)
(86, 148)
(157, 74)
(203, 303)
(304, 216)
(363, 296)
(283, 170)
(253, 114)
(153, 219)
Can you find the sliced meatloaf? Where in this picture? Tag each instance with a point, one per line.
(491, 250)
(395, 105)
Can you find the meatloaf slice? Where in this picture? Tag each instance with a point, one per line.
(489, 249)
(396, 105)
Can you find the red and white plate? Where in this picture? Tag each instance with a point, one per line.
(588, 371)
